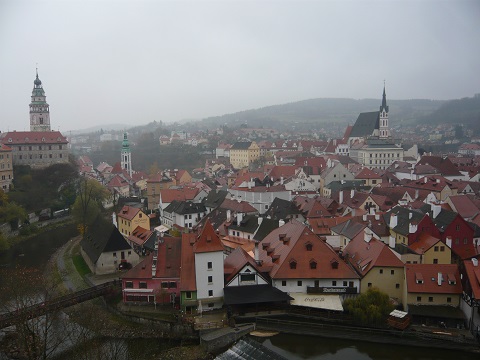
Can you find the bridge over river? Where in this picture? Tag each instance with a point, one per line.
(58, 303)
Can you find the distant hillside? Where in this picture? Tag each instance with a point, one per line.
(316, 113)
(464, 111)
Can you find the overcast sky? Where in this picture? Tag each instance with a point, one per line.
(132, 62)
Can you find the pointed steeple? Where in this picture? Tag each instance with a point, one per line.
(39, 108)
(384, 100)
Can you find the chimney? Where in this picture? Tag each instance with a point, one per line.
(425, 179)
(260, 219)
(257, 255)
(281, 223)
(436, 210)
(239, 218)
(367, 235)
(393, 221)
(352, 193)
(410, 215)
(391, 241)
(448, 241)
(340, 197)
(114, 219)
(416, 194)
(229, 215)
(377, 216)
(439, 279)
(372, 210)
(475, 262)
(364, 217)
(412, 228)
(281, 180)
(438, 181)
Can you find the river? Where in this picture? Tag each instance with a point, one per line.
(303, 347)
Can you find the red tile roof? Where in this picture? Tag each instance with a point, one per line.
(140, 235)
(423, 278)
(236, 261)
(289, 242)
(473, 275)
(366, 173)
(364, 256)
(187, 271)
(238, 206)
(32, 137)
(128, 212)
(208, 240)
(424, 243)
(185, 194)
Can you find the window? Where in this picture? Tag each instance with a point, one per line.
(381, 271)
(164, 285)
(210, 305)
(313, 265)
(392, 272)
(442, 248)
(369, 285)
(435, 248)
(344, 283)
(350, 284)
(172, 284)
(129, 284)
(115, 254)
(188, 295)
(209, 265)
(435, 261)
(293, 264)
(309, 247)
(465, 241)
(142, 285)
(449, 299)
(210, 292)
(457, 227)
(299, 283)
(247, 277)
(284, 283)
(397, 286)
(334, 283)
(430, 299)
(210, 279)
(419, 298)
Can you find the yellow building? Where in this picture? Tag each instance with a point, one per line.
(242, 154)
(129, 218)
(377, 265)
(432, 284)
(6, 167)
(431, 250)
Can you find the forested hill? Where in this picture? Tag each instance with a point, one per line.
(464, 111)
(309, 114)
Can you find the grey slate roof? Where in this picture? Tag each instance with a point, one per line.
(249, 224)
(281, 209)
(185, 207)
(102, 237)
(215, 198)
(365, 124)
(349, 228)
(253, 294)
(241, 145)
(265, 228)
(443, 219)
(248, 349)
(403, 218)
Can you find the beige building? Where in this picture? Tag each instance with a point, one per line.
(6, 167)
(242, 154)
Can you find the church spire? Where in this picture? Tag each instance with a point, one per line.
(384, 100)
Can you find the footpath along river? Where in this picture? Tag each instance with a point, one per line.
(37, 251)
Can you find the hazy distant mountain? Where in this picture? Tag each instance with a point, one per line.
(312, 113)
(464, 111)
(105, 128)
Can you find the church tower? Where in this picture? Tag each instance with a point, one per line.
(126, 156)
(384, 131)
(39, 109)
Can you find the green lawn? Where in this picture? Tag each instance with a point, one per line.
(80, 265)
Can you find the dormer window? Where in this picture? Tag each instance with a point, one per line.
(313, 264)
(309, 246)
(293, 264)
(334, 264)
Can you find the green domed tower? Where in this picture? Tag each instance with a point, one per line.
(126, 155)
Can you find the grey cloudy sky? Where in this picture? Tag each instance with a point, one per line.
(132, 62)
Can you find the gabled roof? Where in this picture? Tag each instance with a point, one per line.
(236, 261)
(214, 198)
(473, 276)
(101, 237)
(169, 195)
(238, 206)
(366, 173)
(366, 123)
(464, 205)
(140, 235)
(290, 243)
(349, 228)
(128, 212)
(185, 207)
(281, 209)
(424, 278)
(280, 171)
(117, 181)
(364, 256)
(248, 224)
(208, 240)
(241, 145)
(265, 228)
